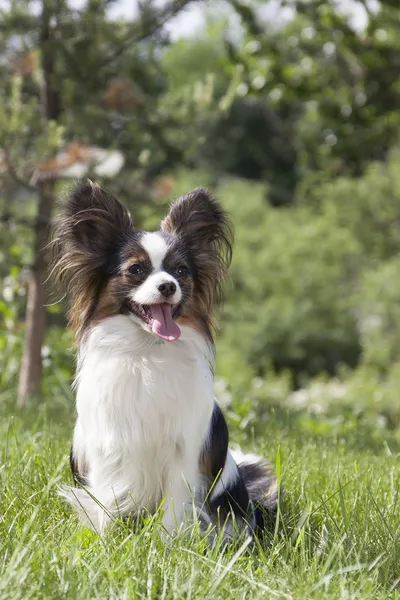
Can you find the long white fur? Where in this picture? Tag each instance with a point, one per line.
(241, 457)
(143, 412)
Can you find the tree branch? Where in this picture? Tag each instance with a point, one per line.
(148, 25)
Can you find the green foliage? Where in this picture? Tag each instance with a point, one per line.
(369, 206)
(297, 295)
(188, 61)
(380, 315)
(336, 81)
(369, 209)
(252, 140)
(118, 96)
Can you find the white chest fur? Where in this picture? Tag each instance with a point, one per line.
(143, 411)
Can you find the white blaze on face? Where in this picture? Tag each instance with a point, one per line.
(156, 247)
(148, 293)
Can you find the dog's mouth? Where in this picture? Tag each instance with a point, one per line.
(159, 317)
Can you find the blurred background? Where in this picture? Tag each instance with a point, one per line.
(290, 112)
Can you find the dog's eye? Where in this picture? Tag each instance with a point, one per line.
(181, 271)
(135, 270)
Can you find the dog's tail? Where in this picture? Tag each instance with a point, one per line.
(261, 485)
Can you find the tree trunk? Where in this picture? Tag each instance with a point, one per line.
(31, 367)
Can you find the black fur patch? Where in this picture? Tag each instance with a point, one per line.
(213, 456)
(234, 498)
(77, 476)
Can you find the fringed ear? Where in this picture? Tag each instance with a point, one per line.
(197, 216)
(88, 234)
(92, 219)
(206, 229)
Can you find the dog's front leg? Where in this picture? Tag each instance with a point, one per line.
(179, 499)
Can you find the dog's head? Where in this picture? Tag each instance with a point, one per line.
(159, 279)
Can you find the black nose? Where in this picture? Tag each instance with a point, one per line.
(167, 289)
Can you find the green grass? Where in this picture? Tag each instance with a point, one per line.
(338, 535)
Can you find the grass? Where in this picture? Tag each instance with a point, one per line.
(338, 535)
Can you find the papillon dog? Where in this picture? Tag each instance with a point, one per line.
(149, 431)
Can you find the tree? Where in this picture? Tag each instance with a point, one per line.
(336, 82)
(52, 97)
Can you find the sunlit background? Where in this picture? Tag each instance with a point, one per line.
(289, 112)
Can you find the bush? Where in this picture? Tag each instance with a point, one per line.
(291, 306)
(369, 207)
(379, 315)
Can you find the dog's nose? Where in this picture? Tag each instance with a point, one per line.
(167, 288)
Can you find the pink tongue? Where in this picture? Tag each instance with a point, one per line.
(163, 324)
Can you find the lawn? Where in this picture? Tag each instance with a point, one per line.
(338, 534)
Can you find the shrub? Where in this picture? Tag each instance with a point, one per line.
(379, 315)
(292, 302)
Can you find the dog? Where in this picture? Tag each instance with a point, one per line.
(149, 431)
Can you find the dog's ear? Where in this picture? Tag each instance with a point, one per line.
(201, 221)
(206, 229)
(93, 220)
(88, 234)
